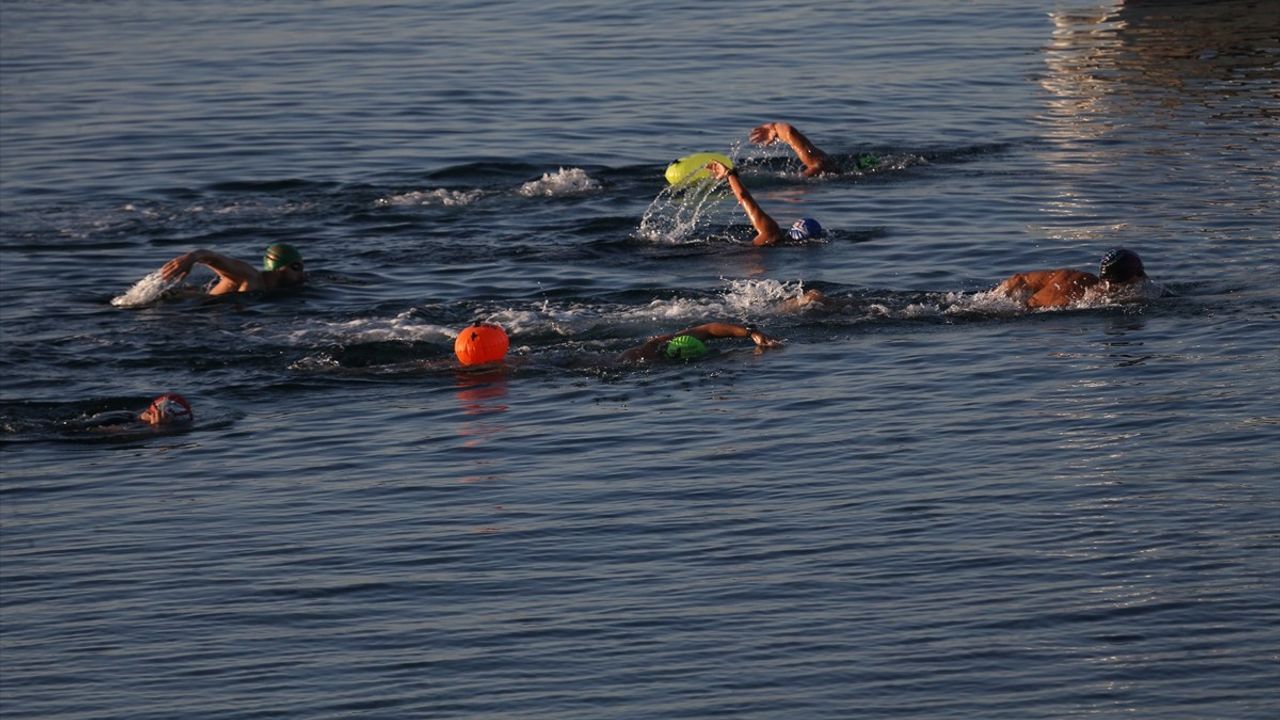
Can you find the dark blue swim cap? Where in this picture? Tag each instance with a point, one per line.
(1121, 265)
(804, 228)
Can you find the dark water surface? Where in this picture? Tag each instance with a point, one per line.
(928, 504)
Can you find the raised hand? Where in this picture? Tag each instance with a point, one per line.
(766, 134)
(763, 341)
(179, 267)
(717, 169)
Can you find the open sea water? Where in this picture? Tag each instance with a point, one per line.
(928, 504)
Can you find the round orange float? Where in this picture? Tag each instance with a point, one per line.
(481, 343)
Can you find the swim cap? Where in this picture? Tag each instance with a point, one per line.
(685, 347)
(168, 408)
(804, 228)
(1121, 265)
(280, 255)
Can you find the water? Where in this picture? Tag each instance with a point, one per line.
(927, 504)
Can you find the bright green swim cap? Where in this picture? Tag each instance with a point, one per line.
(685, 347)
(280, 255)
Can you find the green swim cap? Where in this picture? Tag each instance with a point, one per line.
(280, 255)
(685, 347)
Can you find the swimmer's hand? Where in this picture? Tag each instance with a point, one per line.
(764, 342)
(718, 169)
(179, 267)
(766, 134)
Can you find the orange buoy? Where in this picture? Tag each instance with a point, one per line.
(481, 343)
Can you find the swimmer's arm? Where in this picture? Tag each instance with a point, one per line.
(767, 230)
(1023, 282)
(1061, 288)
(228, 268)
(815, 161)
(807, 298)
(1025, 286)
(709, 331)
(647, 351)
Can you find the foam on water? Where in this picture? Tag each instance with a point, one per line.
(443, 197)
(561, 183)
(752, 297)
(403, 327)
(739, 300)
(146, 291)
(780, 303)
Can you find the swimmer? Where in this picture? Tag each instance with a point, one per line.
(767, 230)
(1119, 270)
(690, 343)
(281, 267)
(169, 409)
(814, 299)
(815, 161)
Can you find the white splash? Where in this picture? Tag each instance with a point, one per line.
(676, 213)
(762, 297)
(402, 327)
(443, 197)
(1102, 295)
(986, 302)
(145, 291)
(563, 321)
(562, 183)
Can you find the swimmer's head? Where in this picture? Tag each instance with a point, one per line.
(804, 228)
(281, 256)
(1121, 265)
(685, 347)
(166, 409)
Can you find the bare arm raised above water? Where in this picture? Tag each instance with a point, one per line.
(767, 230)
(815, 161)
(233, 275)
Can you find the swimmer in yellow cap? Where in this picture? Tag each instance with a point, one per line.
(281, 267)
(689, 344)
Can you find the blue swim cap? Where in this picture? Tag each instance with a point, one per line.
(804, 228)
(168, 408)
(1121, 265)
(685, 347)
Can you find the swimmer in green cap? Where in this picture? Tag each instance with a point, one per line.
(815, 161)
(690, 343)
(281, 267)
